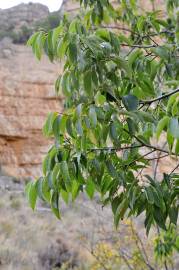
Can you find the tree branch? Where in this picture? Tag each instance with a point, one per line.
(149, 145)
(139, 46)
(114, 148)
(176, 167)
(144, 102)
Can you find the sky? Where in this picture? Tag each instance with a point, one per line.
(52, 4)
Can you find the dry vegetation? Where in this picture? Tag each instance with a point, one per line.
(83, 240)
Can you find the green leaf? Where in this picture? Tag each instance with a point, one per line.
(32, 39)
(79, 128)
(145, 116)
(64, 83)
(93, 116)
(90, 188)
(161, 125)
(130, 102)
(116, 202)
(123, 64)
(64, 195)
(54, 202)
(173, 214)
(69, 127)
(140, 23)
(75, 189)
(73, 52)
(111, 169)
(177, 147)
(45, 190)
(113, 132)
(57, 85)
(162, 52)
(99, 99)
(171, 101)
(87, 79)
(55, 174)
(157, 198)
(120, 212)
(31, 191)
(65, 175)
(159, 218)
(55, 35)
(62, 47)
(48, 127)
(174, 127)
(56, 126)
(149, 195)
(134, 56)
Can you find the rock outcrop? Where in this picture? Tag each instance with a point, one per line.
(26, 96)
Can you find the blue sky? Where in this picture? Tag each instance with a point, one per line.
(52, 4)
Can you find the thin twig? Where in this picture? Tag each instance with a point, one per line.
(176, 167)
(114, 148)
(149, 145)
(141, 157)
(139, 46)
(159, 98)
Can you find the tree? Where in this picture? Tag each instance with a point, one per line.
(121, 91)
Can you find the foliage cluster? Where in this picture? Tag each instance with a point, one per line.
(121, 89)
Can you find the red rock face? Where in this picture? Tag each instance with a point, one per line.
(26, 96)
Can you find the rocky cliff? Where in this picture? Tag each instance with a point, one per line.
(26, 96)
